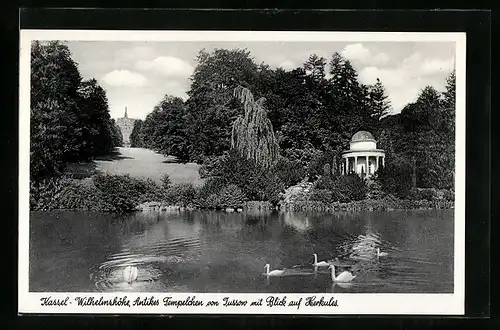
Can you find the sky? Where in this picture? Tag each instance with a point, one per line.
(137, 75)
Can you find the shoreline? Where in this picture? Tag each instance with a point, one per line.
(356, 206)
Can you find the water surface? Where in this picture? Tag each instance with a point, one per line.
(201, 251)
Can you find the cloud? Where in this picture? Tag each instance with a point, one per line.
(359, 53)
(388, 76)
(287, 65)
(356, 52)
(404, 81)
(124, 78)
(167, 65)
(432, 66)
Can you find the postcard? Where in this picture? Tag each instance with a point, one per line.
(241, 172)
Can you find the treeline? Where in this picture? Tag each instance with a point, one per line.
(314, 110)
(70, 120)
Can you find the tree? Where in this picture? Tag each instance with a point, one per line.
(135, 135)
(379, 101)
(450, 93)
(97, 131)
(164, 130)
(116, 133)
(252, 133)
(211, 106)
(56, 130)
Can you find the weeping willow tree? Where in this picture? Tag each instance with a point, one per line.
(252, 133)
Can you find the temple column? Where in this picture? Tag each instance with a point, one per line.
(367, 166)
(355, 164)
(383, 161)
(346, 165)
(378, 163)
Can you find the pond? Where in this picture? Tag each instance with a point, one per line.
(210, 251)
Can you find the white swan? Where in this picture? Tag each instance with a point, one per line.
(345, 276)
(130, 274)
(381, 254)
(276, 272)
(321, 263)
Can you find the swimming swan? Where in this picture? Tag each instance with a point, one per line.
(130, 274)
(381, 254)
(276, 272)
(321, 263)
(345, 276)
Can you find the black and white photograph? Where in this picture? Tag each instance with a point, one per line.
(239, 165)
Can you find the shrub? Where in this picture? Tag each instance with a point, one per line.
(207, 196)
(323, 195)
(119, 193)
(166, 182)
(374, 188)
(290, 172)
(343, 188)
(324, 183)
(104, 192)
(396, 179)
(310, 158)
(419, 194)
(350, 188)
(181, 194)
(51, 193)
(79, 195)
(231, 196)
(271, 189)
(448, 195)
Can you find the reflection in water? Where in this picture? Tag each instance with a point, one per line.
(193, 251)
(297, 221)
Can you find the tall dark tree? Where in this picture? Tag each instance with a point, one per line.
(346, 109)
(450, 93)
(117, 134)
(136, 136)
(96, 121)
(211, 106)
(164, 129)
(422, 122)
(56, 128)
(379, 100)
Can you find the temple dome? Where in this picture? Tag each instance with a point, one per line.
(362, 136)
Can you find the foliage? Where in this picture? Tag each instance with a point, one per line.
(395, 178)
(231, 196)
(116, 134)
(214, 194)
(374, 188)
(104, 192)
(339, 188)
(288, 171)
(252, 134)
(166, 182)
(164, 129)
(211, 105)
(424, 131)
(380, 104)
(97, 126)
(326, 196)
(136, 136)
(122, 193)
(70, 119)
(256, 182)
(181, 194)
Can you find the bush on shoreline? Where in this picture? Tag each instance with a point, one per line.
(122, 194)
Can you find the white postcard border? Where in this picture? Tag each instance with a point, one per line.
(389, 304)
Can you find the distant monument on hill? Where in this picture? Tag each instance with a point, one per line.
(126, 126)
